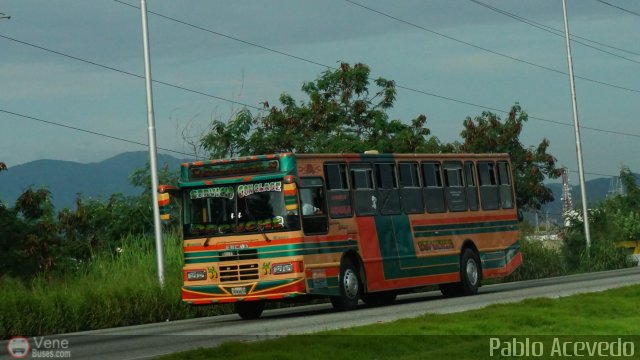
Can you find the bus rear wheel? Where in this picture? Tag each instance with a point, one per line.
(249, 309)
(350, 290)
(470, 274)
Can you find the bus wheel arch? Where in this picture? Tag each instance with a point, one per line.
(470, 272)
(350, 282)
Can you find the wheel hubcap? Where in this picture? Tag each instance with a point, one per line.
(472, 272)
(350, 281)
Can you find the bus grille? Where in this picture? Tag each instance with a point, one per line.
(239, 272)
(234, 255)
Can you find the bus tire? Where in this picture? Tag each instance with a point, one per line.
(349, 285)
(470, 272)
(469, 276)
(249, 310)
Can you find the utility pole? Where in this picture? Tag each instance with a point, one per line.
(576, 125)
(567, 201)
(153, 157)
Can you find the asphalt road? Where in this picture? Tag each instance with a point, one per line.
(146, 341)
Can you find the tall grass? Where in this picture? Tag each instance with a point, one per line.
(114, 289)
(121, 288)
(540, 261)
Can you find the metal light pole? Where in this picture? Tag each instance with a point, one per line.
(153, 157)
(576, 125)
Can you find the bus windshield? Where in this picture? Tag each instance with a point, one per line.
(236, 209)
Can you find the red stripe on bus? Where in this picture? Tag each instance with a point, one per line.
(370, 249)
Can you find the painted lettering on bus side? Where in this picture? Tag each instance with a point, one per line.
(338, 197)
(435, 245)
(340, 210)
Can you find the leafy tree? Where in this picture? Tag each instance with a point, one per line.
(344, 113)
(487, 133)
(35, 240)
(347, 112)
(28, 234)
(615, 219)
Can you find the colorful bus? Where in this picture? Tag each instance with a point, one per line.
(345, 226)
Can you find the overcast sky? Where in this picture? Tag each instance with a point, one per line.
(458, 51)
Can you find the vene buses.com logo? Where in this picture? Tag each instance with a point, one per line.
(18, 347)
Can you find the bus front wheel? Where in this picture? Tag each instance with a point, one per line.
(249, 309)
(350, 290)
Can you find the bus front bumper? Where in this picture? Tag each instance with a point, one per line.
(259, 290)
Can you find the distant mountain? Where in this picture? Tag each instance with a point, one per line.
(65, 179)
(597, 190)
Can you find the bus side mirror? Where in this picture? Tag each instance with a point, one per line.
(164, 200)
(520, 215)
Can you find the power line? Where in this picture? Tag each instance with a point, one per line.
(596, 174)
(144, 144)
(397, 85)
(226, 36)
(489, 50)
(127, 72)
(88, 131)
(550, 30)
(431, 94)
(619, 8)
(506, 112)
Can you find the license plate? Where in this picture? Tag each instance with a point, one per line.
(239, 291)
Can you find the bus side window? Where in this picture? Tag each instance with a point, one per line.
(454, 186)
(472, 192)
(506, 194)
(488, 185)
(433, 191)
(364, 196)
(338, 195)
(388, 194)
(312, 201)
(410, 191)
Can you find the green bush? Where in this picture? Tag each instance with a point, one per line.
(539, 262)
(116, 289)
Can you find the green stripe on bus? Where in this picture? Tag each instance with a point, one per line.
(465, 231)
(468, 225)
(267, 284)
(280, 253)
(210, 289)
(270, 248)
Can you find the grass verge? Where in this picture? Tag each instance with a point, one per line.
(594, 317)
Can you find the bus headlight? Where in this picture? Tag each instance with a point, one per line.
(196, 275)
(281, 268)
